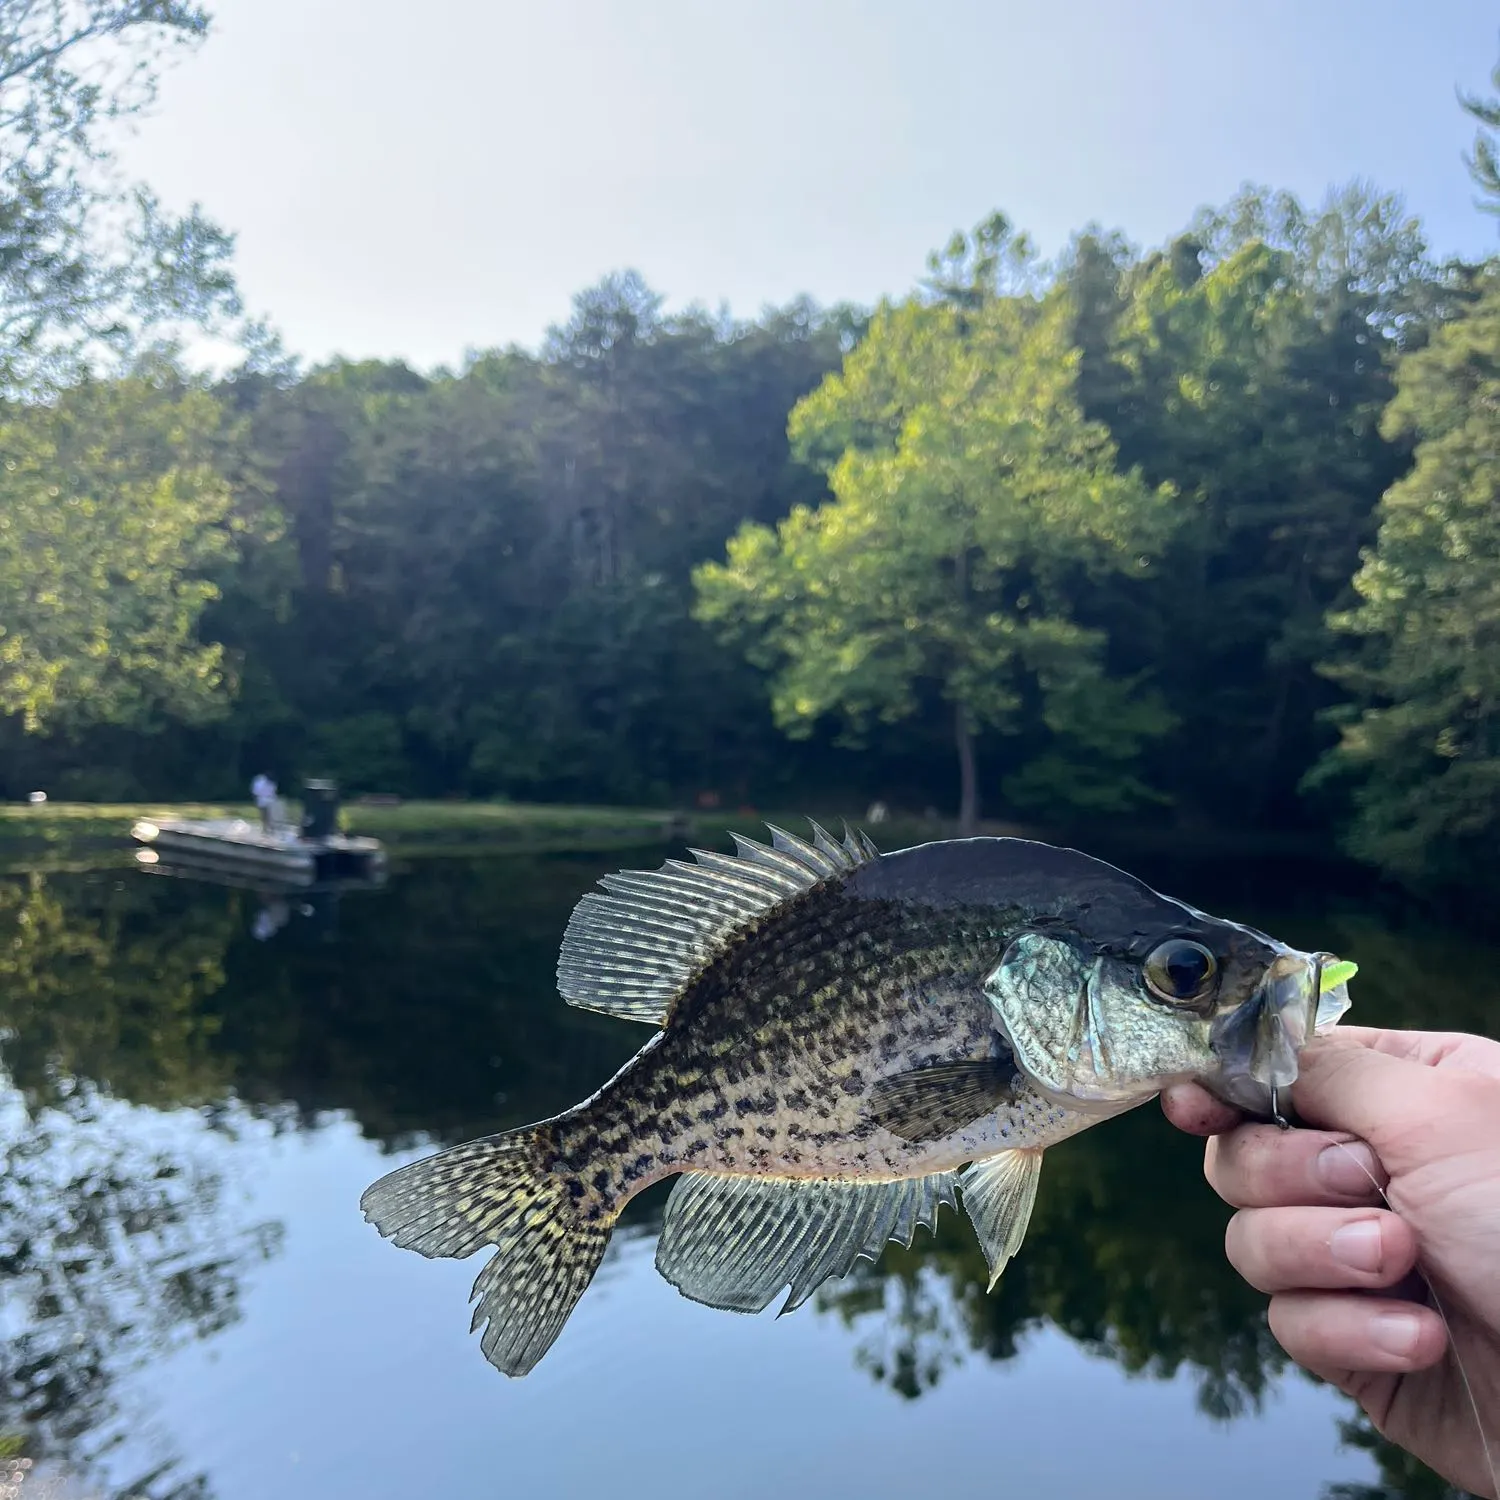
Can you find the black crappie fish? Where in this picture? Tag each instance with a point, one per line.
(849, 1040)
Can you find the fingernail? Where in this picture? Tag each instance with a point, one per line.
(1395, 1333)
(1348, 1169)
(1357, 1245)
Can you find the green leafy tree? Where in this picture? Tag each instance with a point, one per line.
(1360, 254)
(115, 520)
(1483, 159)
(1423, 739)
(1247, 366)
(484, 583)
(90, 266)
(970, 499)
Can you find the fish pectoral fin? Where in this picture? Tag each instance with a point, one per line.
(999, 1194)
(734, 1242)
(928, 1104)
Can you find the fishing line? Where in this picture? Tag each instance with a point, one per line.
(1437, 1306)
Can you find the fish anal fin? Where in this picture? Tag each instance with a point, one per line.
(735, 1242)
(633, 948)
(929, 1104)
(999, 1193)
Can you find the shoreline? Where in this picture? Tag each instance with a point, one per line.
(431, 827)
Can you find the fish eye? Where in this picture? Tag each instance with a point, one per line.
(1180, 971)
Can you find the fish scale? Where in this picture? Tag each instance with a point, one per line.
(799, 1100)
(847, 1042)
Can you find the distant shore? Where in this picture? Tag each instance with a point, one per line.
(67, 831)
(77, 827)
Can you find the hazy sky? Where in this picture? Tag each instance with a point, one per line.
(416, 179)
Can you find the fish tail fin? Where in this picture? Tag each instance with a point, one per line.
(549, 1234)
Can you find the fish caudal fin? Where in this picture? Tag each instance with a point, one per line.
(999, 1194)
(497, 1191)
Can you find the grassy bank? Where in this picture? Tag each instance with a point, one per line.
(67, 826)
(70, 830)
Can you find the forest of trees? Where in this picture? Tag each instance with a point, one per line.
(1207, 534)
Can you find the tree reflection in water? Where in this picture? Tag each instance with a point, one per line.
(1124, 1255)
(116, 1247)
(1401, 1476)
(434, 1017)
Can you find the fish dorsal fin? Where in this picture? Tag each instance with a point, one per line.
(632, 952)
(999, 1194)
(734, 1242)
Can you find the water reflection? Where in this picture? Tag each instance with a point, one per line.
(116, 1246)
(428, 1014)
(1401, 1476)
(1124, 1254)
(103, 980)
(281, 897)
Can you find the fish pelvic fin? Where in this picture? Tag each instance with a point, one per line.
(998, 1194)
(631, 951)
(498, 1191)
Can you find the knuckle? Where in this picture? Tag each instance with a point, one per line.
(1475, 1094)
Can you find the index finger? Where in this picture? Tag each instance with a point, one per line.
(1430, 1048)
(1260, 1166)
(1408, 1112)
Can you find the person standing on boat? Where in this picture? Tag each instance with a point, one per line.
(263, 790)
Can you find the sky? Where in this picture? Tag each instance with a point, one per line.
(415, 181)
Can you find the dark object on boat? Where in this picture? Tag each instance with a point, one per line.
(320, 809)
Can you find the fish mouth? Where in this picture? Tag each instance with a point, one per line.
(1258, 1042)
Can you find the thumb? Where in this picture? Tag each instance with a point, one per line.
(1404, 1109)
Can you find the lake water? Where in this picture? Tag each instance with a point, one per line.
(200, 1085)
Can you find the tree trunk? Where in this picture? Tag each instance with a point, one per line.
(968, 785)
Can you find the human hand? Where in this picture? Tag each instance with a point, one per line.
(1421, 1112)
